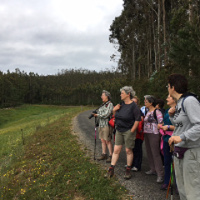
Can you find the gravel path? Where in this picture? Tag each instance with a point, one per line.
(140, 186)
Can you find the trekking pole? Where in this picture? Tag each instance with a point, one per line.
(171, 175)
(172, 178)
(168, 188)
(95, 140)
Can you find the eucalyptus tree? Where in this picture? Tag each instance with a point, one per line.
(126, 33)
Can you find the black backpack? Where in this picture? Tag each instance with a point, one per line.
(152, 118)
(154, 114)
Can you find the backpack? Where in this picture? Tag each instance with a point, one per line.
(153, 117)
(188, 95)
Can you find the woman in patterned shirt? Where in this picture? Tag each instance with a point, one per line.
(152, 138)
(105, 131)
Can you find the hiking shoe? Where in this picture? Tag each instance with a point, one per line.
(150, 172)
(127, 174)
(103, 157)
(159, 179)
(134, 169)
(164, 187)
(110, 173)
(109, 159)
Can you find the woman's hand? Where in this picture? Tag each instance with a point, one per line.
(165, 128)
(135, 125)
(160, 126)
(117, 107)
(95, 115)
(175, 140)
(172, 111)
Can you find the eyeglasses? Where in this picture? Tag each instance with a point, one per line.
(167, 86)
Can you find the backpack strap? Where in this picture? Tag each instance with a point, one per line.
(155, 116)
(189, 94)
(182, 103)
(145, 111)
(107, 103)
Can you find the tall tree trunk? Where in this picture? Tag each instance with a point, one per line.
(190, 11)
(133, 61)
(164, 34)
(158, 36)
(148, 62)
(154, 45)
(139, 64)
(150, 49)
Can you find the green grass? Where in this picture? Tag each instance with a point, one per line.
(51, 164)
(17, 124)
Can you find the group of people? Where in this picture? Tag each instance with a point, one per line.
(173, 133)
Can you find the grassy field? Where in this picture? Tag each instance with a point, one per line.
(41, 159)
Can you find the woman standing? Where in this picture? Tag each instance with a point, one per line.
(127, 117)
(105, 131)
(166, 130)
(152, 138)
(186, 137)
(137, 150)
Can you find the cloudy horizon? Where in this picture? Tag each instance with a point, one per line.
(47, 36)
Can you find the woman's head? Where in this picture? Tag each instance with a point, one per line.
(160, 103)
(170, 101)
(127, 92)
(149, 100)
(136, 100)
(105, 96)
(178, 83)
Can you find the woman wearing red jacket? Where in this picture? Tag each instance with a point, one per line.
(137, 150)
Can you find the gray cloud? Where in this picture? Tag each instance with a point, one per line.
(33, 40)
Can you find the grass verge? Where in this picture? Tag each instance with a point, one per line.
(51, 165)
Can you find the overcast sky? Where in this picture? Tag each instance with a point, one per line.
(46, 36)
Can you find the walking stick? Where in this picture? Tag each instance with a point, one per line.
(172, 178)
(95, 140)
(171, 181)
(168, 188)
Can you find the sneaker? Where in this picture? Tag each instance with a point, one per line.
(159, 179)
(150, 172)
(135, 169)
(103, 157)
(127, 174)
(110, 173)
(164, 187)
(109, 159)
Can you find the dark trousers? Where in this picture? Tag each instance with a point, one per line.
(137, 152)
(167, 161)
(152, 143)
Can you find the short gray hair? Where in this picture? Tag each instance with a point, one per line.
(107, 94)
(128, 90)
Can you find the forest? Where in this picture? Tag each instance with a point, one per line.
(151, 40)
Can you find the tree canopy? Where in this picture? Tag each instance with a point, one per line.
(152, 39)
